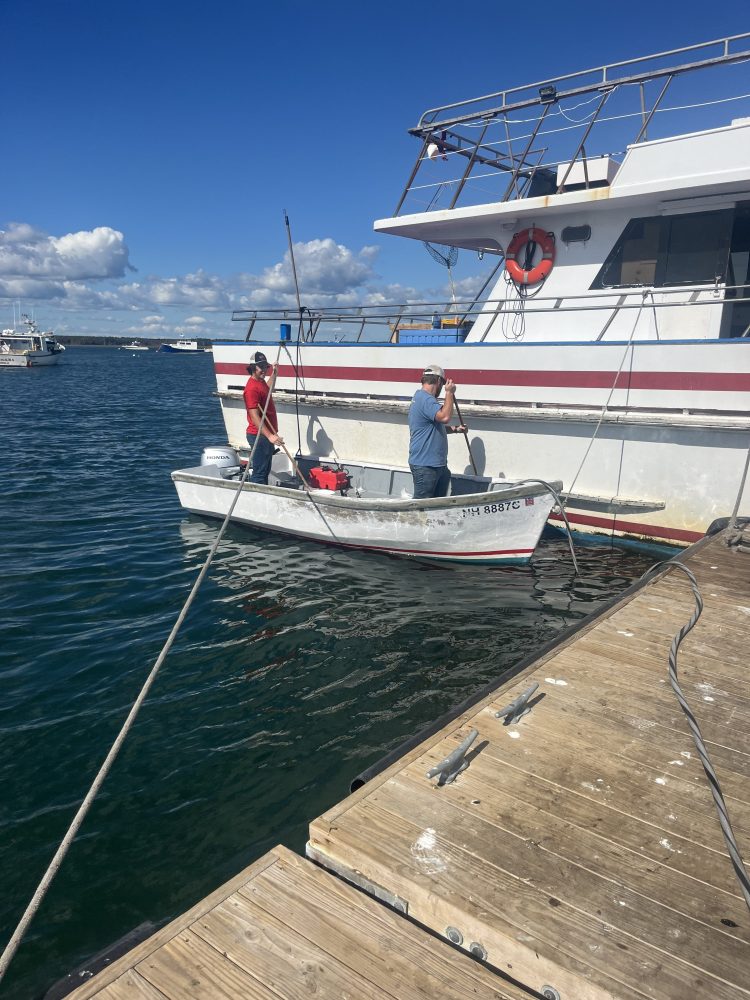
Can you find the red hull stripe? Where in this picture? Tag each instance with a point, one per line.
(514, 553)
(632, 527)
(676, 381)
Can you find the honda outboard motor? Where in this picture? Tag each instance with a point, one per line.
(224, 458)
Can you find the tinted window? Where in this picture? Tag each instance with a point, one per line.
(697, 248)
(669, 250)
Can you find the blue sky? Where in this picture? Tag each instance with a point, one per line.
(150, 148)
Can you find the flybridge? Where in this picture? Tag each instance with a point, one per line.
(535, 145)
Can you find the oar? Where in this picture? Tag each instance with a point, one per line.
(295, 466)
(466, 435)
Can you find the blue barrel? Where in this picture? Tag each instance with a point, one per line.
(286, 331)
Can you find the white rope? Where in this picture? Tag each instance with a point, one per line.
(733, 535)
(611, 393)
(57, 860)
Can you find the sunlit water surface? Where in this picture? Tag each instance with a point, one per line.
(298, 666)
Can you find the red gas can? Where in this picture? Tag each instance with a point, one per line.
(323, 477)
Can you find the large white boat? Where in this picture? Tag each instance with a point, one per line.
(609, 346)
(28, 348)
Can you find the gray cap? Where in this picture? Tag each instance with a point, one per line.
(434, 370)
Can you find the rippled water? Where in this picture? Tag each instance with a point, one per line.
(298, 666)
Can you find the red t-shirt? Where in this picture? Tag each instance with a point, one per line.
(256, 393)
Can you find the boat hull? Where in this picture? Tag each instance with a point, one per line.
(176, 349)
(35, 359)
(660, 456)
(497, 527)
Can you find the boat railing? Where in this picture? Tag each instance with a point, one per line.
(349, 324)
(530, 141)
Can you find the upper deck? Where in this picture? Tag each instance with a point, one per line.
(623, 132)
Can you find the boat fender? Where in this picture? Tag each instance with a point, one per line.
(526, 238)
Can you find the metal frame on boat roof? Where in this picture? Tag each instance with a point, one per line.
(441, 131)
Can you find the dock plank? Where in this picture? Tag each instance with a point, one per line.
(581, 847)
(579, 830)
(131, 986)
(286, 929)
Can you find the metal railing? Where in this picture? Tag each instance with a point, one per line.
(443, 130)
(449, 314)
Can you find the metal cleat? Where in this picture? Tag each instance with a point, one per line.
(518, 708)
(450, 768)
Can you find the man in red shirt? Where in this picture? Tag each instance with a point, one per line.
(265, 430)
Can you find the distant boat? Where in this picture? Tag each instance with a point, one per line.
(29, 348)
(182, 346)
(134, 346)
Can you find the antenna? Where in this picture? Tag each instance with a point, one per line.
(294, 269)
(447, 256)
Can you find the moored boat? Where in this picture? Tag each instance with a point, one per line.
(134, 345)
(30, 348)
(182, 346)
(483, 520)
(610, 345)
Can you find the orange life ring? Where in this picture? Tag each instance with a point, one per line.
(534, 235)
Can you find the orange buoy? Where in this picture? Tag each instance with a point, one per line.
(532, 277)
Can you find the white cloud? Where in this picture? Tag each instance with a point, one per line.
(85, 276)
(90, 255)
(198, 291)
(328, 273)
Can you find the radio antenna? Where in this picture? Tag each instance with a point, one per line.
(294, 268)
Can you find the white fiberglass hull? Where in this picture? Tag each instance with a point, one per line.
(502, 526)
(26, 359)
(655, 434)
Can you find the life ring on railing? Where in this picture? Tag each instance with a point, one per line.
(520, 240)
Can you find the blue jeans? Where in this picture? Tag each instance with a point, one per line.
(430, 481)
(261, 459)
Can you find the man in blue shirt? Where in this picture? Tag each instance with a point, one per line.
(428, 430)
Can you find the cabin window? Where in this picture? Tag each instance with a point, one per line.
(576, 234)
(669, 250)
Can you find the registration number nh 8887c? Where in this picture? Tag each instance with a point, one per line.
(492, 508)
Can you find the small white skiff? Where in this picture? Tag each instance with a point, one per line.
(483, 520)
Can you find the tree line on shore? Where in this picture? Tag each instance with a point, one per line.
(92, 340)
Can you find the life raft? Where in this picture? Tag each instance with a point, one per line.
(520, 240)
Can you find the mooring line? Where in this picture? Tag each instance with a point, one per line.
(734, 535)
(611, 393)
(564, 516)
(726, 827)
(54, 866)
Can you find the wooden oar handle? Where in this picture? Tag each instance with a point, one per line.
(295, 466)
(466, 435)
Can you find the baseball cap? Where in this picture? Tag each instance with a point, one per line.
(434, 370)
(260, 360)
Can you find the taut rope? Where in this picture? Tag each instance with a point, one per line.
(15, 940)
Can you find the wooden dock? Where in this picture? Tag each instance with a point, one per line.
(286, 928)
(579, 854)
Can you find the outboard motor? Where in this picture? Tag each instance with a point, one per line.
(224, 458)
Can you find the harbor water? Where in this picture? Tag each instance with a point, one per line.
(298, 666)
